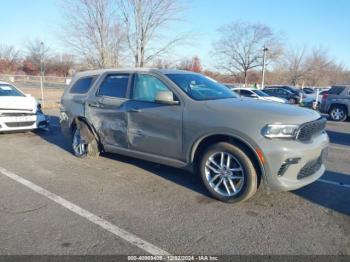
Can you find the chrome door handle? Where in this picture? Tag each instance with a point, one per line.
(96, 105)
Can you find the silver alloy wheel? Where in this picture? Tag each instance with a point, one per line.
(79, 147)
(224, 174)
(338, 113)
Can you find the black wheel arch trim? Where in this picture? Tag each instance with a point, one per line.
(264, 169)
(91, 127)
(347, 108)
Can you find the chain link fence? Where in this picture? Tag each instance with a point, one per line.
(47, 89)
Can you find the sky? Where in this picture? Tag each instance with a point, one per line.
(311, 23)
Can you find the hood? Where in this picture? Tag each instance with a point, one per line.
(18, 103)
(263, 111)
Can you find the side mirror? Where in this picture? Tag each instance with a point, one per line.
(254, 96)
(166, 97)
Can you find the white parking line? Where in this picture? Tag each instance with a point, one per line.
(132, 239)
(334, 183)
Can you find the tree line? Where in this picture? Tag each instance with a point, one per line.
(144, 33)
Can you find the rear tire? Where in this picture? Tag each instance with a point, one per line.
(231, 165)
(84, 143)
(338, 113)
(292, 101)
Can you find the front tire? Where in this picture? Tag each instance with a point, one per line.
(228, 173)
(338, 113)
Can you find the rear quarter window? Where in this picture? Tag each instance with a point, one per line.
(83, 85)
(336, 90)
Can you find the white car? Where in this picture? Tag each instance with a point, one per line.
(19, 111)
(258, 94)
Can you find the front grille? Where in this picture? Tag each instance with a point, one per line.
(308, 130)
(313, 166)
(16, 114)
(20, 124)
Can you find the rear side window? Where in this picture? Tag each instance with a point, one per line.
(114, 86)
(336, 90)
(83, 85)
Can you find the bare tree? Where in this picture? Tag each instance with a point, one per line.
(193, 64)
(305, 67)
(93, 32)
(60, 65)
(144, 20)
(162, 63)
(319, 67)
(9, 52)
(37, 53)
(9, 58)
(240, 47)
(295, 63)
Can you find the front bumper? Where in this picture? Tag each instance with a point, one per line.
(23, 123)
(277, 151)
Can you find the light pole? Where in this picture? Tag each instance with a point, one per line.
(42, 71)
(263, 67)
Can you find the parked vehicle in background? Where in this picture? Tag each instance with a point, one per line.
(336, 103)
(231, 86)
(308, 100)
(186, 120)
(324, 92)
(289, 88)
(291, 97)
(308, 90)
(19, 111)
(312, 97)
(258, 94)
(300, 96)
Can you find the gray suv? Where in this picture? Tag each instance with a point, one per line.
(336, 103)
(186, 120)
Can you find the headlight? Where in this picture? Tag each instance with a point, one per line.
(280, 131)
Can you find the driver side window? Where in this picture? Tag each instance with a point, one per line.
(146, 88)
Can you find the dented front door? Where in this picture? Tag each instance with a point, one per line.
(155, 128)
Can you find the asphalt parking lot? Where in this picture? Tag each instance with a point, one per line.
(148, 207)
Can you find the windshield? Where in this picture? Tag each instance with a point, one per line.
(260, 93)
(200, 87)
(8, 90)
